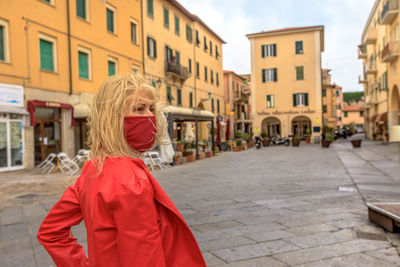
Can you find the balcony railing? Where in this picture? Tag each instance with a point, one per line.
(390, 52)
(176, 70)
(389, 11)
(372, 35)
(362, 51)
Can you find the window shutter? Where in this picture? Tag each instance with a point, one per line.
(191, 99)
(263, 75)
(274, 45)
(148, 46)
(166, 17)
(46, 55)
(155, 48)
(262, 51)
(150, 7)
(178, 57)
(111, 68)
(80, 8)
(275, 74)
(268, 98)
(190, 65)
(218, 105)
(306, 99)
(1, 43)
(83, 65)
(294, 100)
(110, 20)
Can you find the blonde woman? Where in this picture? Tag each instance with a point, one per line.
(129, 219)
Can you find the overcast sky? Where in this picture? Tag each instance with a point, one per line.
(344, 22)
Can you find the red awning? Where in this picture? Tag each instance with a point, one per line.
(374, 117)
(383, 117)
(32, 104)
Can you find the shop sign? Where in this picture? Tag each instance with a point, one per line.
(277, 112)
(11, 95)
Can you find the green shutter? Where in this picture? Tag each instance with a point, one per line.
(217, 76)
(166, 17)
(263, 75)
(268, 98)
(179, 96)
(306, 99)
(218, 105)
(274, 48)
(300, 73)
(111, 68)
(323, 92)
(2, 44)
(177, 25)
(212, 105)
(294, 100)
(150, 10)
(81, 8)
(262, 51)
(191, 99)
(178, 57)
(190, 65)
(83, 65)
(155, 48)
(110, 20)
(46, 55)
(324, 109)
(275, 74)
(345, 114)
(299, 47)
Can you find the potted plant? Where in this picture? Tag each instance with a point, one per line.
(238, 146)
(328, 140)
(374, 135)
(356, 143)
(249, 139)
(178, 160)
(180, 145)
(265, 140)
(296, 140)
(308, 136)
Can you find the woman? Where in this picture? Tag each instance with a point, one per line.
(129, 219)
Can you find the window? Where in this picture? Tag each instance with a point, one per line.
(177, 25)
(190, 65)
(216, 52)
(217, 105)
(197, 70)
(112, 66)
(47, 53)
(268, 50)
(179, 96)
(170, 98)
(150, 10)
(340, 118)
(217, 78)
(361, 114)
(151, 47)
(269, 75)
(111, 25)
(323, 92)
(270, 101)
(166, 18)
(4, 45)
(211, 48)
(134, 33)
(212, 105)
(205, 44)
(299, 73)
(82, 9)
(197, 38)
(212, 76)
(299, 47)
(205, 73)
(324, 109)
(168, 53)
(337, 93)
(384, 83)
(190, 99)
(84, 63)
(51, 2)
(178, 57)
(300, 99)
(135, 69)
(345, 114)
(189, 36)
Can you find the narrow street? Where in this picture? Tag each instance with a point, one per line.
(278, 206)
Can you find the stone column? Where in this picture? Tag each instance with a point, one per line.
(68, 142)
(29, 148)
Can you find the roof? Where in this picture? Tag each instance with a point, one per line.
(351, 108)
(229, 72)
(287, 30)
(193, 17)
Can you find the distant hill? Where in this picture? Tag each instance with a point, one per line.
(349, 97)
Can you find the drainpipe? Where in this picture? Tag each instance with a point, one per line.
(69, 49)
(143, 55)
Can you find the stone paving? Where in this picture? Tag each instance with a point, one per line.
(278, 206)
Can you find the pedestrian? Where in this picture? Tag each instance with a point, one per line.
(129, 219)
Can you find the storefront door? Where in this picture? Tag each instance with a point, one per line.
(11, 142)
(47, 138)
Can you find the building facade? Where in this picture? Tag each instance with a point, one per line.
(379, 50)
(286, 81)
(353, 117)
(55, 56)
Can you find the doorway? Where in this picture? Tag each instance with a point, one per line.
(48, 138)
(301, 126)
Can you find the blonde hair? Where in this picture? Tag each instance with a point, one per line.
(117, 94)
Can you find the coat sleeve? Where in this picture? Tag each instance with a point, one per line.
(55, 232)
(137, 223)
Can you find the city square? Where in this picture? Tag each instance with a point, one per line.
(277, 206)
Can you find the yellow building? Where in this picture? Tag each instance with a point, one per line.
(353, 115)
(379, 51)
(53, 58)
(329, 103)
(286, 80)
(183, 57)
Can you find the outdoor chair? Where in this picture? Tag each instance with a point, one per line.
(82, 156)
(47, 164)
(147, 162)
(157, 160)
(67, 166)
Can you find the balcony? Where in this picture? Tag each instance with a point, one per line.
(371, 36)
(245, 89)
(371, 68)
(176, 70)
(362, 80)
(362, 51)
(390, 52)
(389, 11)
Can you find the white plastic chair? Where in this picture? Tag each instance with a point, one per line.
(67, 166)
(81, 156)
(157, 160)
(47, 164)
(147, 162)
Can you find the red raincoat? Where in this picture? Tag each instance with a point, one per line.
(129, 219)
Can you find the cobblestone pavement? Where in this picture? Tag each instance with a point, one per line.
(278, 206)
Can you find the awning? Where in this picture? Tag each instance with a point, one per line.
(32, 104)
(81, 110)
(383, 117)
(188, 114)
(14, 110)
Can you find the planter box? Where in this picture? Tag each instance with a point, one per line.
(266, 142)
(180, 147)
(209, 154)
(187, 153)
(202, 155)
(178, 161)
(191, 158)
(325, 143)
(296, 142)
(356, 143)
(237, 148)
(308, 140)
(250, 144)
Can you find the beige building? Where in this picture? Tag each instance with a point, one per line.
(237, 99)
(183, 58)
(379, 51)
(353, 115)
(286, 81)
(53, 57)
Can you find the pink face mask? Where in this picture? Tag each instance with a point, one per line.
(140, 132)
